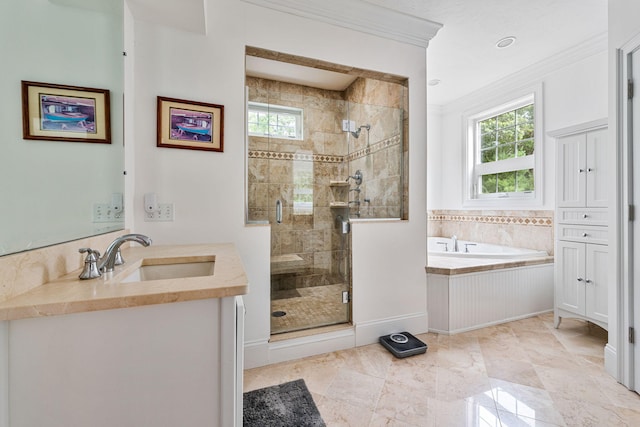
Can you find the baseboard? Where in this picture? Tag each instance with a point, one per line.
(256, 353)
(484, 325)
(369, 332)
(262, 352)
(611, 361)
(296, 348)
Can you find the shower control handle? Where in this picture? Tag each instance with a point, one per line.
(279, 211)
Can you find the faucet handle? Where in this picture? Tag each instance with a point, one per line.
(90, 252)
(90, 270)
(119, 259)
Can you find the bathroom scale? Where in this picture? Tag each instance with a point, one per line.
(403, 344)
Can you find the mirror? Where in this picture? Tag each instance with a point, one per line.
(55, 191)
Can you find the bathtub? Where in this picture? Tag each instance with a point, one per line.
(442, 246)
(486, 286)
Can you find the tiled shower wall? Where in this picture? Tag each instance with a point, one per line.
(522, 229)
(313, 237)
(379, 152)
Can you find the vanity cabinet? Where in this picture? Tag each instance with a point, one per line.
(582, 234)
(581, 175)
(177, 364)
(111, 352)
(581, 281)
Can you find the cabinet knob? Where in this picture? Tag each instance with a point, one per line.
(584, 234)
(589, 170)
(588, 281)
(580, 170)
(585, 216)
(580, 279)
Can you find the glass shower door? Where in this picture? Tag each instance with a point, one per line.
(292, 163)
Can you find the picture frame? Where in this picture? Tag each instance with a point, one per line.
(56, 112)
(190, 124)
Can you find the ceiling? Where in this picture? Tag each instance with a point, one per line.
(463, 56)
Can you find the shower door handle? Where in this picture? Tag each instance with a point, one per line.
(278, 211)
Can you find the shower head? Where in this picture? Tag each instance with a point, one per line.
(357, 132)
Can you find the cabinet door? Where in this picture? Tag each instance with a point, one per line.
(570, 284)
(571, 171)
(596, 290)
(597, 156)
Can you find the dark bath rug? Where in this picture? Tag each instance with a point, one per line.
(284, 405)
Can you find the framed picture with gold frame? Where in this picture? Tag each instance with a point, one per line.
(65, 113)
(190, 124)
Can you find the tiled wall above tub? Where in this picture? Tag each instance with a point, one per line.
(520, 229)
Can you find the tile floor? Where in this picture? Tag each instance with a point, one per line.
(308, 308)
(523, 373)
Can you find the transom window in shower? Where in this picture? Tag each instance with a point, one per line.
(505, 153)
(274, 121)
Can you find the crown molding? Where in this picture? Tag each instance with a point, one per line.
(579, 128)
(360, 16)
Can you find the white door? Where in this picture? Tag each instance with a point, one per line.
(634, 140)
(597, 160)
(572, 175)
(570, 283)
(596, 263)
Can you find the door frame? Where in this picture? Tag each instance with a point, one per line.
(625, 245)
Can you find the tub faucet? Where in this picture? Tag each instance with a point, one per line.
(454, 243)
(108, 260)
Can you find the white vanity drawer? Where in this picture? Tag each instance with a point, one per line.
(579, 233)
(585, 216)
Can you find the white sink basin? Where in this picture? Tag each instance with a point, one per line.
(170, 270)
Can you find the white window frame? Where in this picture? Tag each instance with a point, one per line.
(473, 168)
(271, 108)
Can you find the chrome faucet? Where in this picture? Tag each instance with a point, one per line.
(454, 242)
(108, 260)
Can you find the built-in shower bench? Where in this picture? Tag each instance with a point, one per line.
(287, 263)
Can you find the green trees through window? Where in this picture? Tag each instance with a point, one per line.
(274, 121)
(509, 135)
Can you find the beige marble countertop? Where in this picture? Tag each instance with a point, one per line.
(450, 266)
(68, 294)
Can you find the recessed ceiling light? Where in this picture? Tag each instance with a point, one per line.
(505, 42)
(434, 82)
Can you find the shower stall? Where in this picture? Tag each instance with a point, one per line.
(302, 178)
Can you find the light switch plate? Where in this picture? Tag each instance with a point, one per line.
(103, 212)
(164, 213)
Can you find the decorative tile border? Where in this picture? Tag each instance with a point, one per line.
(272, 155)
(494, 219)
(326, 158)
(394, 140)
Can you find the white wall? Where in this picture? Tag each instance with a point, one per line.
(573, 94)
(434, 155)
(207, 188)
(623, 26)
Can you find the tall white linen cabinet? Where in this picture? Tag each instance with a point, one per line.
(581, 242)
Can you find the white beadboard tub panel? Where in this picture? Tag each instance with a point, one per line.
(437, 300)
(476, 300)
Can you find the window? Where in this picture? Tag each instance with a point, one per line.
(504, 153)
(274, 120)
(303, 186)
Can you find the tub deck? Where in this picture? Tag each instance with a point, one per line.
(450, 266)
